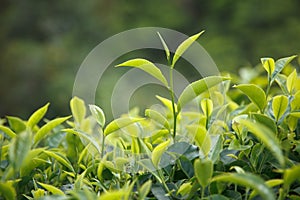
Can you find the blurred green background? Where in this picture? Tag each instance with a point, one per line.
(43, 42)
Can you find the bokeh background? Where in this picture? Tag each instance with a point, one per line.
(44, 42)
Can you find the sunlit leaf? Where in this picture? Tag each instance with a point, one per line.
(16, 124)
(196, 88)
(78, 109)
(255, 94)
(279, 106)
(167, 51)
(184, 46)
(146, 66)
(7, 131)
(60, 158)
(248, 180)
(206, 106)
(267, 137)
(184, 189)
(268, 64)
(271, 183)
(120, 123)
(280, 64)
(98, 114)
(145, 189)
(113, 195)
(158, 151)
(291, 81)
(167, 103)
(7, 190)
(51, 188)
(37, 116)
(201, 137)
(203, 171)
(30, 161)
(44, 130)
(290, 175)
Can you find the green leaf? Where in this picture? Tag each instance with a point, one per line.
(98, 114)
(280, 64)
(144, 190)
(16, 124)
(184, 189)
(167, 103)
(196, 88)
(207, 106)
(291, 175)
(279, 106)
(51, 188)
(255, 94)
(7, 190)
(265, 120)
(203, 171)
(37, 116)
(268, 64)
(165, 46)
(158, 151)
(267, 137)
(156, 116)
(120, 123)
(248, 180)
(295, 104)
(30, 162)
(291, 81)
(7, 131)
(271, 183)
(184, 46)
(201, 137)
(60, 158)
(44, 130)
(146, 66)
(113, 195)
(78, 109)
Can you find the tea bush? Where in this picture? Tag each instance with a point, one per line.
(223, 138)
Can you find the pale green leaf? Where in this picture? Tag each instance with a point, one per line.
(144, 190)
(268, 64)
(167, 103)
(7, 190)
(60, 158)
(248, 180)
(295, 104)
(207, 106)
(44, 130)
(78, 109)
(165, 46)
(203, 171)
(196, 88)
(184, 46)
(7, 131)
(280, 64)
(98, 114)
(255, 94)
(146, 66)
(271, 183)
(51, 188)
(37, 116)
(120, 123)
(201, 137)
(184, 189)
(279, 106)
(290, 175)
(16, 124)
(158, 151)
(291, 81)
(30, 161)
(113, 195)
(295, 114)
(267, 137)
(156, 116)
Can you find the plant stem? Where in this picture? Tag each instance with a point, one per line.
(102, 147)
(173, 103)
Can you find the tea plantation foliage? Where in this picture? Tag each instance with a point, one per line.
(222, 138)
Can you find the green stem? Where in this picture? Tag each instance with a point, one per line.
(173, 103)
(102, 147)
(202, 192)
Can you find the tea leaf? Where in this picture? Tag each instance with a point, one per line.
(37, 116)
(29, 162)
(120, 123)
(271, 183)
(255, 94)
(203, 171)
(7, 190)
(265, 120)
(196, 88)
(184, 46)
(165, 46)
(248, 180)
(267, 137)
(201, 137)
(78, 109)
(98, 114)
(16, 124)
(291, 81)
(280, 64)
(291, 175)
(207, 107)
(156, 116)
(184, 189)
(145, 189)
(146, 66)
(167, 103)
(7, 131)
(60, 158)
(279, 106)
(268, 64)
(51, 188)
(158, 151)
(44, 130)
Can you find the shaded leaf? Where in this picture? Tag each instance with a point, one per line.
(201, 137)
(183, 47)
(146, 66)
(248, 180)
(271, 183)
(145, 189)
(265, 120)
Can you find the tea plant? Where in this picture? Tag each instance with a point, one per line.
(214, 142)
